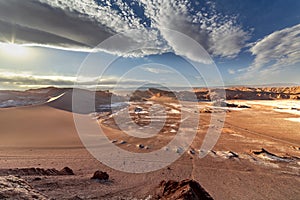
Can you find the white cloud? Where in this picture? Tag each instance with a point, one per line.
(231, 71)
(227, 40)
(274, 56)
(28, 79)
(11, 79)
(218, 34)
(83, 24)
(157, 70)
(279, 49)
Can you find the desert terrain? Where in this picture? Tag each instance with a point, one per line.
(257, 155)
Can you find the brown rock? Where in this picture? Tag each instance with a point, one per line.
(36, 172)
(183, 190)
(66, 171)
(205, 110)
(100, 175)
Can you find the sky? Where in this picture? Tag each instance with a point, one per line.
(165, 42)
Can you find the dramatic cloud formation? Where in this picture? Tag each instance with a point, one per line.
(281, 48)
(38, 23)
(83, 24)
(274, 54)
(25, 80)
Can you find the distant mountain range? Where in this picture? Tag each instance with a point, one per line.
(64, 95)
(267, 85)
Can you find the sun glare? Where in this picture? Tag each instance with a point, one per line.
(13, 50)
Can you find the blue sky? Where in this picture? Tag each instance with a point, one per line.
(252, 42)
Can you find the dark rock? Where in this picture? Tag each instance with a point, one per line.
(183, 190)
(273, 157)
(114, 141)
(37, 179)
(232, 154)
(243, 106)
(192, 151)
(36, 172)
(138, 109)
(100, 175)
(66, 171)
(123, 142)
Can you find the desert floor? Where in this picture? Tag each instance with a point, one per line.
(45, 137)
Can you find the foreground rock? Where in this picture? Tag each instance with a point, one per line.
(12, 187)
(100, 175)
(183, 190)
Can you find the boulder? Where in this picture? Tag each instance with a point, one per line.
(66, 171)
(100, 175)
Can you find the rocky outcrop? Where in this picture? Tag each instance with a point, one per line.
(36, 171)
(264, 154)
(183, 190)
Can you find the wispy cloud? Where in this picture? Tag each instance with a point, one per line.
(157, 70)
(83, 24)
(16, 80)
(27, 79)
(274, 53)
(231, 71)
(279, 49)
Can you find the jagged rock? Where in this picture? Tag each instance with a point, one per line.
(224, 154)
(266, 155)
(36, 172)
(183, 190)
(100, 175)
(12, 187)
(229, 105)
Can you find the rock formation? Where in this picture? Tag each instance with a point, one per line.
(183, 190)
